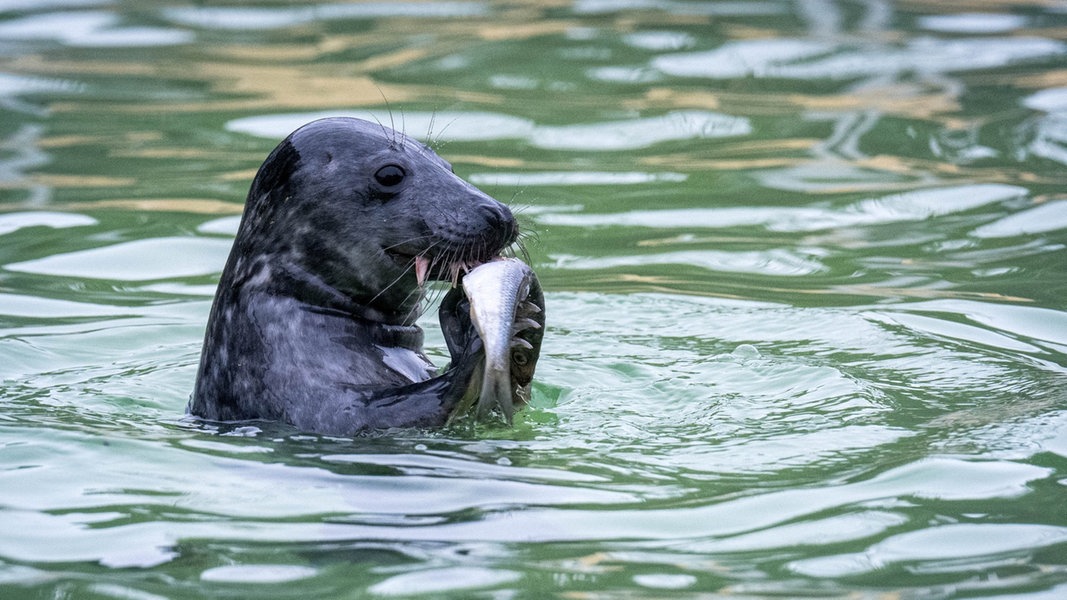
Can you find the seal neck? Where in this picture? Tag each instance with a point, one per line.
(398, 336)
(319, 296)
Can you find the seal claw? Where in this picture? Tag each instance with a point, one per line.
(522, 324)
(518, 342)
(529, 308)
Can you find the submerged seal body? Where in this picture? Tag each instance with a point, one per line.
(313, 320)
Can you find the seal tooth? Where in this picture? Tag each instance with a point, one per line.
(422, 269)
(456, 269)
(459, 268)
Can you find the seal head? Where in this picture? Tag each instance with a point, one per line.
(313, 320)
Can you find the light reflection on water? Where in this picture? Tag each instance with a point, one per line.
(804, 272)
(630, 134)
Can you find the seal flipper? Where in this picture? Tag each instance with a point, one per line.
(429, 403)
(456, 326)
(465, 347)
(435, 401)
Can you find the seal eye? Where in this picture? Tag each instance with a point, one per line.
(389, 175)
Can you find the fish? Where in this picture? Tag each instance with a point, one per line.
(507, 310)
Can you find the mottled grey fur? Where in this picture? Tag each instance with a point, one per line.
(313, 320)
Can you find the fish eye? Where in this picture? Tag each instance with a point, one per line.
(390, 175)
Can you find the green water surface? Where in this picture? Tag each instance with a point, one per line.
(804, 264)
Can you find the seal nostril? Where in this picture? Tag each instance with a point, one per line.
(498, 215)
(499, 219)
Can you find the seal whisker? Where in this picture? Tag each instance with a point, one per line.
(410, 265)
(408, 241)
(433, 296)
(385, 130)
(416, 309)
(389, 132)
(387, 287)
(392, 123)
(440, 134)
(520, 244)
(429, 129)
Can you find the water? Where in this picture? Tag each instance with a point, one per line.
(805, 273)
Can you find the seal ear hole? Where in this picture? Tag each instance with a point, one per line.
(390, 175)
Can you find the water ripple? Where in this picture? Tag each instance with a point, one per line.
(640, 133)
(481, 126)
(938, 545)
(90, 29)
(776, 261)
(253, 18)
(908, 206)
(973, 22)
(449, 125)
(14, 221)
(574, 178)
(813, 60)
(138, 260)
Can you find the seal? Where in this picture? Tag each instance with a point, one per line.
(313, 322)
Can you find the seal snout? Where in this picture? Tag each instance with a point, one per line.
(499, 218)
(499, 231)
(470, 229)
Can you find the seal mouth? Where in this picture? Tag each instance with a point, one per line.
(429, 267)
(450, 271)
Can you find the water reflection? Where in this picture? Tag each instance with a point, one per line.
(15, 221)
(163, 258)
(973, 23)
(1040, 219)
(683, 7)
(938, 549)
(89, 29)
(910, 206)
(479, 126)
(789, 58)
(1047, 135)
(255, 18)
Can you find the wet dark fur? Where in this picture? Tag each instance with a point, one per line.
(313, 321)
